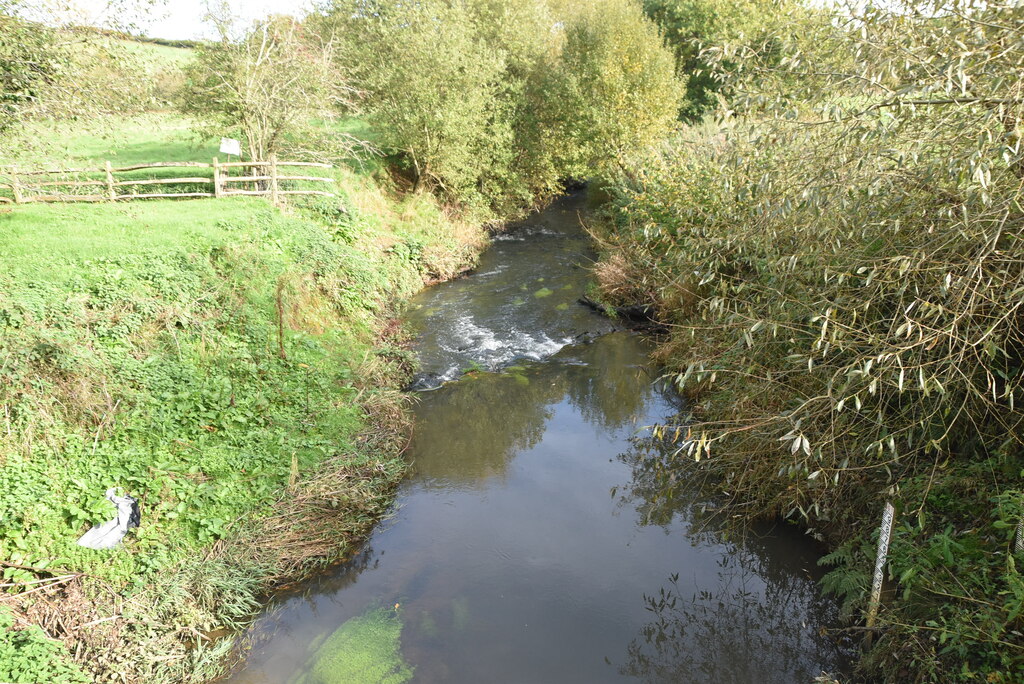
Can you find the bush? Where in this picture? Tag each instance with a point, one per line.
(843, 269)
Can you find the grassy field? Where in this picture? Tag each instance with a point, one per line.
(158, 55)
(142, 139)
(230, 364)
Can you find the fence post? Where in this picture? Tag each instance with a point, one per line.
(111, 193)
(273, 178)
(16, 187)
(884, 534)
(216, 178)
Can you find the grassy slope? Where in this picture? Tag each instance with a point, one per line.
(154, 53)
(141, 139)
(140, 348)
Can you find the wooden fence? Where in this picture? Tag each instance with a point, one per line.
(262, 178)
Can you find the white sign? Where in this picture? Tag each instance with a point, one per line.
(230, 146)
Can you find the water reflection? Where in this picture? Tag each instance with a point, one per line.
(746, 626)
(469, 432)
(760, 618)
(509, 559)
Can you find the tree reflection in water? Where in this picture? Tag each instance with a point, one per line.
(750, 628)
(760, 619)
(468, 433)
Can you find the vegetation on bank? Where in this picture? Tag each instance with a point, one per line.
(231, 364)
(839, 260)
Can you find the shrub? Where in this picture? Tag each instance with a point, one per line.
(843, 269)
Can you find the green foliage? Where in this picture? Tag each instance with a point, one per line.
(495, 103)
(64, 72)
(28, 656)
(364, 650)
(617, 90)
(713, 40)
(436, 90)
(267, 84)
(30, 58)
(843, 271)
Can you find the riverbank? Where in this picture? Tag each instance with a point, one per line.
(525, 547)
(232, 366)
(841, 348)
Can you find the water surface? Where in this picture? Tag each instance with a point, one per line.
(522, 548)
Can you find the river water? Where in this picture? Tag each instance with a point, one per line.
(524, 546)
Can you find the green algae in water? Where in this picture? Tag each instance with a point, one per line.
(460, 613)
(364, 650)
(543, 292)
(562, 307)
(428, 626)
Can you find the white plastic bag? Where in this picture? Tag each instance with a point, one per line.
(109, 534)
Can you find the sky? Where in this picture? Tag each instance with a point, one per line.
(170, 18)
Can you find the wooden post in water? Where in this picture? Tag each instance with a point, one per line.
(216, 178)
(884, 535)
(273, 178)
(111, 193)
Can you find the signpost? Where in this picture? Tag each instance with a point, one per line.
(230, 146)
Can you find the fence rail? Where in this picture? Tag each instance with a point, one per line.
(263, 179)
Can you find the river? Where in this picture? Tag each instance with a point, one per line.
(524, 546)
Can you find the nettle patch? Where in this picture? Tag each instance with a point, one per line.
(28, 656)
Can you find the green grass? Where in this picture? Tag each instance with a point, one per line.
(158, 56)
(203, 355)
(143, 139)
(45, 241)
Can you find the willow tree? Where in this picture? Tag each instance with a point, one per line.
(268, 85)
(843, 266)
(616, 89)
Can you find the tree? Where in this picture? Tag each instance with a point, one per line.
(436, 90)
(618, 92)
(494, 103)
(268, 84)
(52, 68)
(31, 56)
(713, 39)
